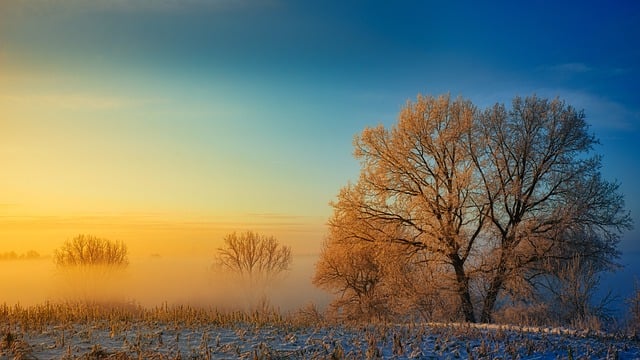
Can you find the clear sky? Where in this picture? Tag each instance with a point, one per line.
(181, 120)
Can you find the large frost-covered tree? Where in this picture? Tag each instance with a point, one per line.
(491, 195)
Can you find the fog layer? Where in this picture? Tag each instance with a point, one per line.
(153, 281)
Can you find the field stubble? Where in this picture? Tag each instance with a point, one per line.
(121, 331)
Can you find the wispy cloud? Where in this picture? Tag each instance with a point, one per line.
(601, 112)
(579, 68)
(573, 67)
(275, 216)
(131, 5)
(75, 101)
(168, 219)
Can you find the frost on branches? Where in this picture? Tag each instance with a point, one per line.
(457, 210)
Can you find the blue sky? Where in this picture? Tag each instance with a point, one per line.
(235, 107)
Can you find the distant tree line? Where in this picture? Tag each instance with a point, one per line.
(12, 255)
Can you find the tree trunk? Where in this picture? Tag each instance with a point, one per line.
(463, 289)
(492, 294)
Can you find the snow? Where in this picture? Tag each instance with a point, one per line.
(422, 341)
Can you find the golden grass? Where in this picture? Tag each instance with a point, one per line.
(38, 317)
(90, 330)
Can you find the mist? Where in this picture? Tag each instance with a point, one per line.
(156, 280)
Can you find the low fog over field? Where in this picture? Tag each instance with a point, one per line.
(154, 280)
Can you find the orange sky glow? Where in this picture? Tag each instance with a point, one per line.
(157, 234)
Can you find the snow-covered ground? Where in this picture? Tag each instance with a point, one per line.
(149, 340)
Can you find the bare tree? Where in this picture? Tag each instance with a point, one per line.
(544, 193)
(349, 267)
(88, 250)
(416, 187)
(89, 268)
(573, 285)
(493, 196)
(353, 271)
(254, 256)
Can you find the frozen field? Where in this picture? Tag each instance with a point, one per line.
(172, 340)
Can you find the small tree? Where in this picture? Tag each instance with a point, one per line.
(353, 271)
(254, 256)
(87, 265)
(573, 287)
(89, 250)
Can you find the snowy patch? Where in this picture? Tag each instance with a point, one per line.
(430, 341)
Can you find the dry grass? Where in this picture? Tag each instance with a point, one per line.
(38, 317)
(126, 331)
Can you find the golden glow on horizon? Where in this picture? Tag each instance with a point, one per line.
(154, 234)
